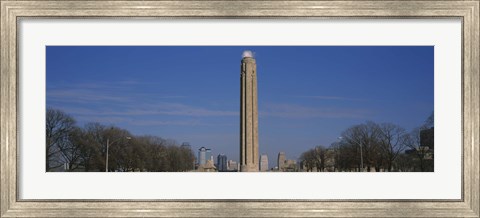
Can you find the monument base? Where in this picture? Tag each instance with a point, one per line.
(249, 168)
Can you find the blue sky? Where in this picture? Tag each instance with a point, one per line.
(307, 94)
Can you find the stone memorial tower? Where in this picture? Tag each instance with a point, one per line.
(248, 114)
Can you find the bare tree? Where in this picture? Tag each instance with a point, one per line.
(392, 142)
(122, 153)
(95, 134)
(429, 122)
(314, 158)
(380, 146)
(364, 137)
(347, 157)
(404, 163)
(156, 158)
(421, 144)
(413, 141)
(319, 154)
(89, 150)
(70, 149)
(308, 160)
(187, 158)
(58, 127)
(88, 147)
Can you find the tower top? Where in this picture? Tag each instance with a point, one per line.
(247, 54)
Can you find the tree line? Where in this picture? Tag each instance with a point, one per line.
(375, 147)
(73, 148)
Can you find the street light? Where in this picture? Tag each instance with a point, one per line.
(361, 156)
(108, 145)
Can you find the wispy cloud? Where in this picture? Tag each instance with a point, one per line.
(142, 121)
(120, 102)
(83, 96)
(136, 119)
(325, 97)
(123, 91)
(88, 96)
(160, 108)
(112, 84)
(101, 119)
(299, 111)
(165, 122)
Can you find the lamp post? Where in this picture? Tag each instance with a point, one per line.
(108, 145)
(361, 156)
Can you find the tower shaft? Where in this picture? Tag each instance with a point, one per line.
(248, 116)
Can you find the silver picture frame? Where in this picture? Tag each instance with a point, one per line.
(12, 11)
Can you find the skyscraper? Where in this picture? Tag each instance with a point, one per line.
(281, 161)
(186, 145)
(222, 163)
(263, 163)
(208, 155)
(202, 156)
(248, 114)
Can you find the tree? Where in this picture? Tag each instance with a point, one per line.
(122, 153)
(392, 141)
(70, 149)
(319, 154)
(96, 149)
(307, 159)
(421, 144)
(58, 127)
(187, 159)
(405, 163)
(380, 146)
(156, 158)
(364, 138)
(88, 147)
(429, 122)
(346, 156)
(314, 158)
(413, 141)
(89, 152)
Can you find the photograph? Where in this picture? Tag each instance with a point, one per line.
(303, 108)
(239, 109)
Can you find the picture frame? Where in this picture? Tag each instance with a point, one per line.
(12, 11)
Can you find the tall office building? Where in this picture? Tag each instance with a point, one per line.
(209, 155)
(263, 163)
(248, 114)
(281, 161)
(186, 145)
(222, 163)
(204, 155)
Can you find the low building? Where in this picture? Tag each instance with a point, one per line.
(207, 167)
(290, 166)
(263, 163)
(232, 166)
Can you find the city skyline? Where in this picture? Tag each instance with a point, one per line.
(307, 95)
